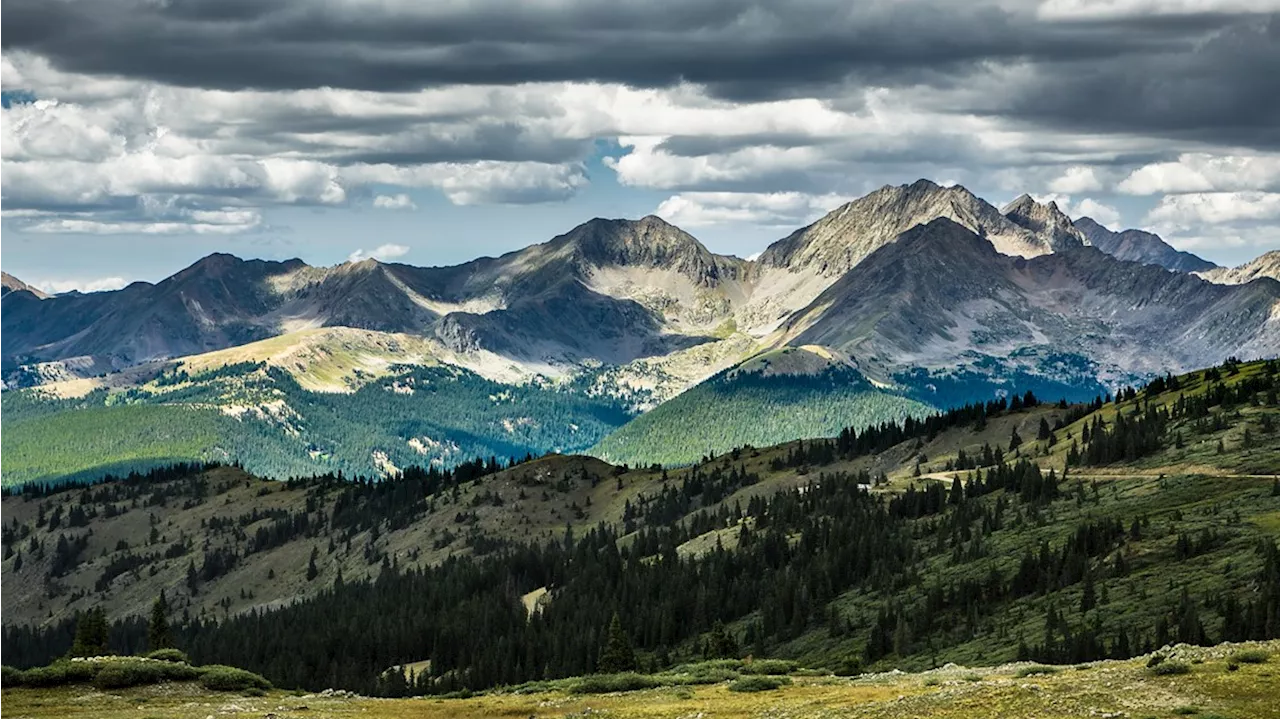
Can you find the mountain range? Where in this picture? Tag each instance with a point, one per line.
(925, 294)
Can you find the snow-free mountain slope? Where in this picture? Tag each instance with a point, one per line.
(1139, 246)
(1267, 266)
(9, 283)
(846, 235)
(941, 296)
(1046, 220)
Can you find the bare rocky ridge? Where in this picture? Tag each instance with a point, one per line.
(846, 235)
(1267, 265)
(1046, 220)
(1139, 246)
(647, 297)
(940, 296)
(9, 283)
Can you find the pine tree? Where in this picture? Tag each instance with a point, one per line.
(91, 634)
(312, 570)
(1044, 430)
(617, 655)
(1088, 600)
(158, 636)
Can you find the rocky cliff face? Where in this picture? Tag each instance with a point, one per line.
(1046, 221)
(1139, 246)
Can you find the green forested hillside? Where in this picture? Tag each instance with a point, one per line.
(261, 418)
(986, 534)
(753, 408)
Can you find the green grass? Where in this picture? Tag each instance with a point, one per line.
(1251, 656)
(759, 684)
(72, 442)
(1118, 688)
(750, 409)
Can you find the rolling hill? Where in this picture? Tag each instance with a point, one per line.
(773, 397)
(1012, 529)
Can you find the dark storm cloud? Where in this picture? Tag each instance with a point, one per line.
(749, 49)
(1225, 89)
(1209, 77)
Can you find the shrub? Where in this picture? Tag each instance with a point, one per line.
(605, 683)
(850, 666)
(710, 665)
(759, 683)
(1232, 667)
(60, 673)
(230, 679)
(1154, 660)
(1036, 670)
(133, 672)
(1165, 669)
(169, 655)
(704, 676)
(10, 676)
(973, 677)
(1186, 711)
(1250, 656)
(769, 666)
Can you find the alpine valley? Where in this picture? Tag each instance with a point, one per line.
(624, 339)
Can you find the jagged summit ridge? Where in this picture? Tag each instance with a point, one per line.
(1046, 220)
(851, 232)
(1265, 266)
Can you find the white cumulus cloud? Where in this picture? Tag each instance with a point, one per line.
(98, 284)
(394, 202)
(382, 252)
(784, 209)
(1075, 180)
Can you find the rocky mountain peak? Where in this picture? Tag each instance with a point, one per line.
(1263, 266)
(1046, 220)
(9, 283)
(1140, 246)
(649, 242)
(851, 232)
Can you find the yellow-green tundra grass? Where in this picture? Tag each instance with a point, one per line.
(1216, 686)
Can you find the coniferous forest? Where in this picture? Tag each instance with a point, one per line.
(797, 551)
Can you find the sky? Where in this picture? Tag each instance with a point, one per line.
(140, 135)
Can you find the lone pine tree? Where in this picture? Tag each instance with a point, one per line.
(91, 634)
(617, 655)
(158, 636)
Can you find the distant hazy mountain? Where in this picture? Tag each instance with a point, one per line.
(1139, 246)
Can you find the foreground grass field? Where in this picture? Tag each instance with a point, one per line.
(1223, 682)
